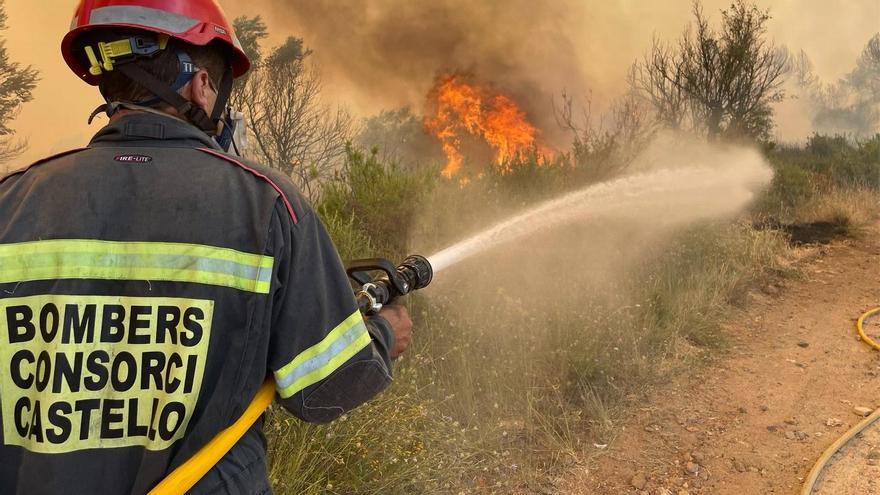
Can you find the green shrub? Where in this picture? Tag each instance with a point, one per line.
(827, 168)
(844, 164)
(350, 239)
(530, 177)
(792, 187)
(862, 169)
(826, 146)
(376, 198)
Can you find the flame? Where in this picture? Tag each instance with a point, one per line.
(462, 108)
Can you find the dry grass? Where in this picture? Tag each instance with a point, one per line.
(520, 369)
(851, 210)
(486, 406)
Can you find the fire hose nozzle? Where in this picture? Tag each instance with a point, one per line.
(390, 282)
(417, 271)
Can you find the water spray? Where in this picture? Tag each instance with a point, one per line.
(662, 198)
(658, 199)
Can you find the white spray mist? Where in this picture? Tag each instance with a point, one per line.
(674, 183)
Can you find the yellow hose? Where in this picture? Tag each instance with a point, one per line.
(190, 472)
(821, 464)
(859, 326)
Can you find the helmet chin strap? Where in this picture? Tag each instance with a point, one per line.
(187, 110)
(225, 137)
(224, 92)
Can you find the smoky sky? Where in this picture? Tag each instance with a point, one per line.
(383, 54)
(393, 50)
(387, 53)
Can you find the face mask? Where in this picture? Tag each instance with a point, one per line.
(233, 134)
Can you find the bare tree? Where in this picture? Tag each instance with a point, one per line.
(290, 128)
(719, 83)
(606, 146)
(17, 83)
(659, 78)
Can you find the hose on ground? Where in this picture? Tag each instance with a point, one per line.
(860, 326)
(816, 473)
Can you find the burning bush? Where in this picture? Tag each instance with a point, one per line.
(460, 109)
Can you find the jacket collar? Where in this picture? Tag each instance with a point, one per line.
(152, 129)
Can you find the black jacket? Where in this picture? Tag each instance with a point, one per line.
(148, 285)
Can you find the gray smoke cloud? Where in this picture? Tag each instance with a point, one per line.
(394, 50)
(382, 54)
(397, 48)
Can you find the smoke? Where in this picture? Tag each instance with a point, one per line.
(384, 54)
(390, 52)
(849, 106)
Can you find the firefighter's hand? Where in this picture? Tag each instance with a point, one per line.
(398, 317)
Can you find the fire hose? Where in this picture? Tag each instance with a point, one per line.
(377, 282)
(816, 473)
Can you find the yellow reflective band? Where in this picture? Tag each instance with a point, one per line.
(319, 361)
(149, 261)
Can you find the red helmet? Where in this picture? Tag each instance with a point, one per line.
(197, 22)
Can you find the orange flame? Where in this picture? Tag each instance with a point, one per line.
(461, 108)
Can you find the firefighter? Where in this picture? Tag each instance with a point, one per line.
(150, 281)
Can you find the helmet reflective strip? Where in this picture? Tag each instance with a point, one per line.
(143, 16)
(236, 42)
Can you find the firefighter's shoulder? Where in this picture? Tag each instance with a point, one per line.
(294, 201)
(43, 161)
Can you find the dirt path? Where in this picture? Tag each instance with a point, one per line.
(755, 421)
